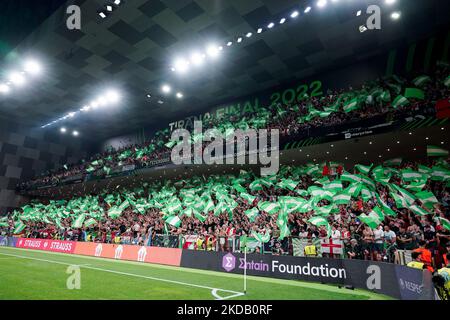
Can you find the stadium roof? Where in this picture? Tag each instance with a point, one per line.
(134, 47)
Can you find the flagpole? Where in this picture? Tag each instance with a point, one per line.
(245, 268)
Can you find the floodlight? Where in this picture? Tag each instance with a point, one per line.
(270, 25)
(17, 78)
(294, 14)
(322, 3)
(179, 95)
(32, 67)
(75, 133)
(4, 88)
(166, 88)
(308, 9)
(396, 15)
(212, 51)
(63, 130)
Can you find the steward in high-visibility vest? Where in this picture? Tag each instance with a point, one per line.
(310, 250)
(416, 263)
(441, 280)
(425, 256)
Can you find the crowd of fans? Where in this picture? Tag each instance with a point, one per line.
(291, 119)
(406, 230)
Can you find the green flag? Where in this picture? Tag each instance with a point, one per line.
(263, 238)
(444, 222)
(421, 80)
(393, 162)
(351, 105)
(269, 207)
(19, 226)
(400, 101)
(414, 93)
(434, 151)
(173, 221)
(363, 169)
(78, 223)
(252, 214)
(418, 210)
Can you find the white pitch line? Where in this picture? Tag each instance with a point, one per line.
(213, 290)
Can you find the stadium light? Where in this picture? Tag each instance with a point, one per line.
(283, 20)
(239, 40)
(181, 65)
(4, 88)
(32, 67)
(396, 15)
(166, 88)
(179, 95)
(102, 15)
(270, 25)
(94, 104)
(390, 1)
(294, 14)
(17, 78)
(112, 96)
(212, 51)
(197, 59)
(75, 133)
(259, 30)
(117, 2)
(248, 35)
(322, 3)
(109, 8)
(229, 44)
(63, 130)
(308, 9)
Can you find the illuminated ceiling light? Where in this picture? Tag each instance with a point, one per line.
(117, 2)
(220, 48)
(112, 96)
(396, 15)
(239, 40)
(270, 25)
(322, 3)
(259, 30)
(32, 67)
(390, 1)
(308, 9)
(229, 43)
(442, 142)
(181, 65)
(179, 95)
(283, 20)
(109, 8)
(75, 133)
(102, 101)
(166, 88)
(427, 138)
(102, 15)
(149, 95)
(197, 59)
(160, 102)
(4, 88)
(63, 130)
(442, 128)
(294, 14)
(17, 78)
(71, 114)
(94, 104)
(248, 35)
(212, 51)
(86, 108)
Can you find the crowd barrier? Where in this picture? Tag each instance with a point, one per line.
(393, 280)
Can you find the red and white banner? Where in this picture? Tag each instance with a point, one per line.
(46, 245)
(190, 242)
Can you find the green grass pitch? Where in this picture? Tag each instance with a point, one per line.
(38, 275)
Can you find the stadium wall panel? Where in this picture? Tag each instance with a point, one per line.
(393, 280)
(27, 152)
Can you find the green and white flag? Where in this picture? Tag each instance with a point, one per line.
(343, 198)
(318, 221)
(418, 210)
(400, 101)
(363, 169)
(434, 151)
(249, 198)
(444, 223)
(200, 217)
(351, 105)
(269, 207)
(90, 222)
(173, 221)
(427, 198)
(287, 184)
(19, 226)
(421, 81)
(263, 238)
(410, 175)
(252, 214)
(372, 220)
(78, 223)
(393, 162)
(386, 209)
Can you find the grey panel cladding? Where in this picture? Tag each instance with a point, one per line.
(27, 152)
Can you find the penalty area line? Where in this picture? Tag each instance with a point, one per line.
(214, 291)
